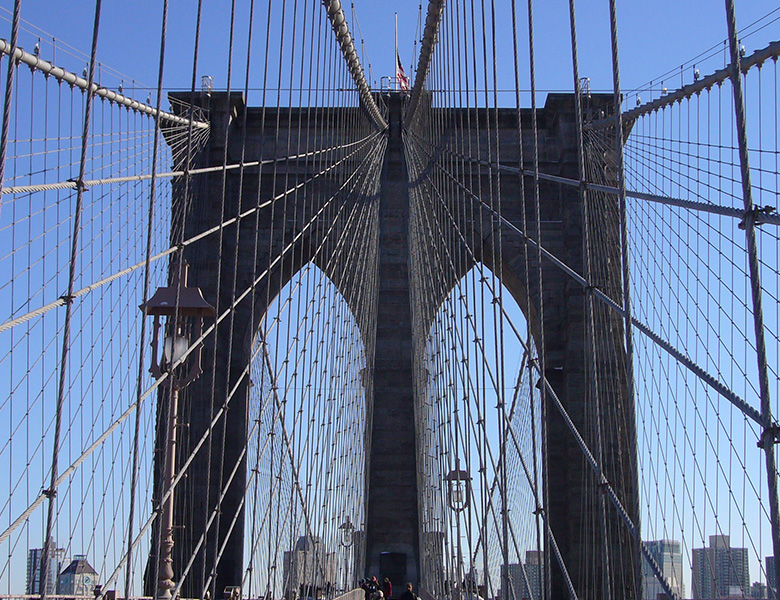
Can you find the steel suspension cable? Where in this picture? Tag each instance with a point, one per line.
(767, 441)
(147, 283)
(51, 492)
(9, 89)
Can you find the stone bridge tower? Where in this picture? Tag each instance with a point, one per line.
(392, 509)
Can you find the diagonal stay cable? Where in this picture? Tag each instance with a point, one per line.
(89, 183)
(763, 217)
(201, 441)
(41, 497)
(61, 301)
(603, 482)
(716, 385)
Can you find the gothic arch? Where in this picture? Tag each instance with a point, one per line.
(278, 224)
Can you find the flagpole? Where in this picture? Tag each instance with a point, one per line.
(395, 58)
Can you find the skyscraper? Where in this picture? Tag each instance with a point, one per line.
(758, 590)
(720, 570)
(56, 560)
(770, 577)
(309, 568)
(668, 555)
(525, 581)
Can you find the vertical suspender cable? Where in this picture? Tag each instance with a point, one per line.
(499, 344)
(542, 351)
(253, 297)
(221, 246)
(51, 492)
(768, 436)
(591, 370)
(526, 266)
(626, 264)
(9, 91)
(181, 212)
(147, 277)
(241, 174)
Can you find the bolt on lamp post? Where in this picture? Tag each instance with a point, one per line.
(184, 309)
(347, 538)
(458, 499)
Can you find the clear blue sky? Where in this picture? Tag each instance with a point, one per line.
(654, 37)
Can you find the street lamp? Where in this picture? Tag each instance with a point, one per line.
(184, 308)
(347, 538)
(458, 498)
(458, 489)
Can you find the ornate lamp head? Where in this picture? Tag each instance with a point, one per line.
(458, 488)
(184, 309)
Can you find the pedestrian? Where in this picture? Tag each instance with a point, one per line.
(371, 588)
(387, 588)
(408, 594)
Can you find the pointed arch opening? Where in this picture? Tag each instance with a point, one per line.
(308, 422)
(479, 442)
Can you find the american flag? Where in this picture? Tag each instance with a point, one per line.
(400, 74)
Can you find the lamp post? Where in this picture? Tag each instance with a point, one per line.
(184, 308)
(458, 499)
(347, 538)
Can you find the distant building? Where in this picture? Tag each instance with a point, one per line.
(514, 575)
(758, 590)
(668, 555)
(309, 569)
(55, 564)
(770, 577)
(720, 571)
(534, 571)
(519, 585)
(78, 578)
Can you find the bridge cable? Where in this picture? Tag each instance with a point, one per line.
(146, 287)
(9, 89)
(69, 303)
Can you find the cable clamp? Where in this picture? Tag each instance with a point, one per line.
(756, 215)
(80, 185)
(539, 511)
(50, 493)
(770, 434)
(68, 298)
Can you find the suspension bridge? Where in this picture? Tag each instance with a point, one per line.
(264, 342)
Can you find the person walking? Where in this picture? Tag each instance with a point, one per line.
(408, 594)
(387, 588)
